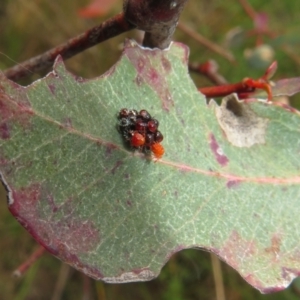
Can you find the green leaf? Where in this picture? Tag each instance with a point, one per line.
(228, 182)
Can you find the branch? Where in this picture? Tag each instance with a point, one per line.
(224, 90)
(210, 70)
(158, 18)
(29, 262)
(247, 86)
(110, 28)
(205, 42)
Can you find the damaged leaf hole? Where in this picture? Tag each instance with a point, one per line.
(241, 125)
(234, 107)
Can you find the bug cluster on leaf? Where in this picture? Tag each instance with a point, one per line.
(141, 131)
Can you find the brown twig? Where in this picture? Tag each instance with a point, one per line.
(29, 262)
(108, 29)
(248, 9)
(205, 42)
(260, 22)
(158, 18)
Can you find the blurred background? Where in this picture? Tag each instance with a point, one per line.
(28, 28)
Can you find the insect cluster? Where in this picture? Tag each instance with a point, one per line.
(141, 131)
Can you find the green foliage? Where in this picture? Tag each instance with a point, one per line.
(118, 216)
(212, 18)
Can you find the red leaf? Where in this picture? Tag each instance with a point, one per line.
(286, 87)
(97, 8)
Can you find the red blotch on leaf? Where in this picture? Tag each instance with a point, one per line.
(23, 206)
(25, 197)
(251, 279)
(11, 110)
(52, 88)
(109, 148)
(274, 249)
(166, 64)
(217, 151)
(78, 235)
(139, 271)
(236, 249)
(116, 166)
(4, 131)
(154, 77)
(66, 236)
(289, 273)
(232, 183)
(64, 253)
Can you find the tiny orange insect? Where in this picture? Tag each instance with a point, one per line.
(157, 150)
(137, 139)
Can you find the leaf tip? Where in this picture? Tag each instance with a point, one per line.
(58, 65)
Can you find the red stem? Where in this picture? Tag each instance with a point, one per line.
(224, 90)
(210, 70)
(248, 9)
(29, 262)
